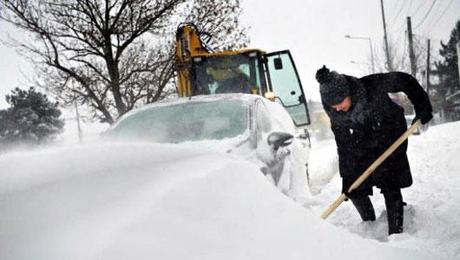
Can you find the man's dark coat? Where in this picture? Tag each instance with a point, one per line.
(372, 124)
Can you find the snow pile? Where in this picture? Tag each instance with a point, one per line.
(323, 164)
(432, 215)
(144, 201)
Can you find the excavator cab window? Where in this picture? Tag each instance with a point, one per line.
(227, 74)
(285, 83)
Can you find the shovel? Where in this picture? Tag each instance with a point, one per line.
(371, 169)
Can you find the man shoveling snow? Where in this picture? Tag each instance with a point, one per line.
(365, 122)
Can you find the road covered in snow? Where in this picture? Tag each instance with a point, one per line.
(144, 201)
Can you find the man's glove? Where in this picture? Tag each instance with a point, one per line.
(347, 195)
(424, 116)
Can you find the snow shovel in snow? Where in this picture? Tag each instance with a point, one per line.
(371, 168)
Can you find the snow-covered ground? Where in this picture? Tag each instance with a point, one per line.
(432, 217)
(144, 201)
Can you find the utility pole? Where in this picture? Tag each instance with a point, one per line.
(428, 67)
(387, 51)
(458, 61)
(77, 114)
(413, 65)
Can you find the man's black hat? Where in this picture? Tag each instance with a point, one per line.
(333, 86)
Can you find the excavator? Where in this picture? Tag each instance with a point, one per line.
(201, 71)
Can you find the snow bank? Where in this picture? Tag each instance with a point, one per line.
(432, 215)
(323, 164)
(435, 194)
(144, 201)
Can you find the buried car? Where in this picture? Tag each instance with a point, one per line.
(248, 126)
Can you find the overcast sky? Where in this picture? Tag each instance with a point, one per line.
(314, 32)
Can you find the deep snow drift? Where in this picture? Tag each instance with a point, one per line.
(144, 201)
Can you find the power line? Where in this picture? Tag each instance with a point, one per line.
(410, 5)
(398, 13)
(426, 15)
(401, 28)
(403, 24)
(433, 16)
(441, 16)
(418, 9)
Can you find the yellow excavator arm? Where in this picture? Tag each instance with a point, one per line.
(188, 45)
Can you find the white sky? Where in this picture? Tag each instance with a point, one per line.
(15, 71)
(313, 31)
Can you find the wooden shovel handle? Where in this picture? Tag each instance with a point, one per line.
(371, 169)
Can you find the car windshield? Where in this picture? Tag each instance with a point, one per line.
(190, 121)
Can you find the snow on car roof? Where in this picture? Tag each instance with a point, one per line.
(209, 98)
(202, 98)
(246, 98)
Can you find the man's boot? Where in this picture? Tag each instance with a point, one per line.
(395, 211)
(365, 208)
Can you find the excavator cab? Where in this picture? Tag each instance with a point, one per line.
(228, 73)
(252, 71)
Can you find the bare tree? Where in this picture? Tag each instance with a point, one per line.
(109, 54)
(220, 21)
(399, 56)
